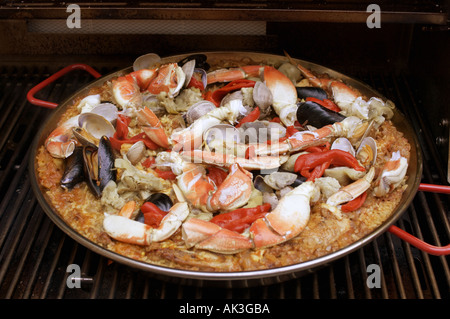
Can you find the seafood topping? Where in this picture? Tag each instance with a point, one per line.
(311, 113)
(99, 165)
(74, 171)
(231, 160)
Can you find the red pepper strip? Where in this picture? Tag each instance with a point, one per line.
(217, 175)
(291, 130)
(168, 175)
(120, 136)
(240, 219)
(355, 203)
(149, 161)
(250, 117)
(276, 119)
(195, 83)
(219, 94)
(318, 171)
(117, 143)
(313, 149)
(325, 103)
(152, 214)
(307, 162)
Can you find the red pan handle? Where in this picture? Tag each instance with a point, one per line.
(434, 188)
(52, 78)
(416, 242)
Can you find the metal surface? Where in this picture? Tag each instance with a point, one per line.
(237, 279)
(428, 12)
(35, 254)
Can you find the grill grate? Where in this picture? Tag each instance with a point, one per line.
(34, 253)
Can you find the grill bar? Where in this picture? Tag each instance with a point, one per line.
(34, 254)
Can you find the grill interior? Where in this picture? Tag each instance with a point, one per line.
(34, 253)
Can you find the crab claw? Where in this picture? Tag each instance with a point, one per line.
(353, 190)
(153, 128)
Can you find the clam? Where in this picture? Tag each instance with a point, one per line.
(96, 125)
(280, 180)
(188, 69)
(262, 97)
(136, 152)
(261, 131)
(261, 185)
(107, 110)
(316, 115)
(221, 134)
(146, 61)
(74, 171)
(343, 144)
(367, 152)
(291, 71)
(303, 92)
(236, 95)
(197, 110)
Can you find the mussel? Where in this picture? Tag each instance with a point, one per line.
(200, 61)
(74, 171)
(311, 113)
(303, 92)
(99, 165)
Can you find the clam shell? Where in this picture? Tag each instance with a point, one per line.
(136, 152)
(343, 144)
(226, 133)
(367, 152)
(188, 69)
(262, 96)
(197, 110)
(280, 180)
(96, 125)
(146, 61)
(107, 110)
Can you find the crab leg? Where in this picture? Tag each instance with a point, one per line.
(60, 143)
(285, 222)
(154, 131)
(222, 159)
(232, 74)
(353, 190)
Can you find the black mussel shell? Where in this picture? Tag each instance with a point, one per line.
(74, 171)
(311, 113)
(162, 201)
(200, 61)
(106, 171)
(101, 161)
(311, 91)
(90, 167)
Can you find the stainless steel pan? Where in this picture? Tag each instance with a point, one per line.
(234, 279)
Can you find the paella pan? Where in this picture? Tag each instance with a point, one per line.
(225, 165)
